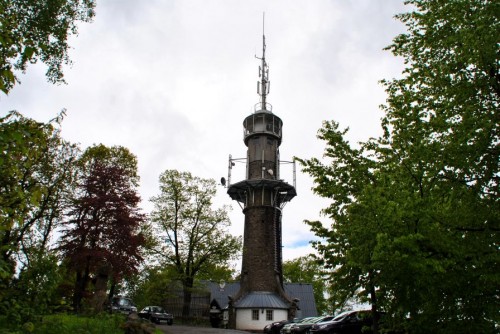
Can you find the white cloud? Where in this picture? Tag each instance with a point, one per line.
(173, 81)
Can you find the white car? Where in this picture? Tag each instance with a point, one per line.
(287, 329)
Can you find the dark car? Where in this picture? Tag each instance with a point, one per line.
(156, 314)
(123, 305)
(351, 322)
(275, 327)
(304, 327)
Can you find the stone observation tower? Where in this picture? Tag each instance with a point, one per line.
(262, 196)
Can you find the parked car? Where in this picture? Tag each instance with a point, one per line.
(287, 328)
(120, 304)
(304, 327)
(351, 322)
(156, 314)
(275, 327)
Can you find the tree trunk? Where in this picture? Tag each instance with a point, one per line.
(112, 289)
(187, 291)
(78, 293)
(100, 287)
(80, 287)
(373, 299)
(5, 246)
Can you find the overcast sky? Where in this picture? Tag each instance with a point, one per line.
(173, 81)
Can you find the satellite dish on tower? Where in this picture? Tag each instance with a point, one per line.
(223, 181)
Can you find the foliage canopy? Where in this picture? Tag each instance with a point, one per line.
(416, 212)
(193, 237)
(36, 166)
(306, 269)
(32, 30)
(102, 234)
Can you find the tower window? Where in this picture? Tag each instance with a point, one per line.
(269, 315)
(255, 314)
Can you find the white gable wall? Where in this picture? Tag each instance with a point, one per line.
(244, 318)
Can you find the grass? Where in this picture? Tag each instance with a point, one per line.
(77, 324)
(65, 323)
(109, 324)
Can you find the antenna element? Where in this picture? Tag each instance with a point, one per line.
(263, 84)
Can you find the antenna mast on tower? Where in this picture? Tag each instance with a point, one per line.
(263, 84)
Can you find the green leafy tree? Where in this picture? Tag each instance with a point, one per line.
(344, 247)
(157, 283)
(36, 166)
(33, 30)
(416, 212)
(307, 269)
(36, 169)
(192, 236)
(217, 272)
(442, 124)
(152, 285)
(35, 290)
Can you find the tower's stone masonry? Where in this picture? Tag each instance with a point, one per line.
(259, 267)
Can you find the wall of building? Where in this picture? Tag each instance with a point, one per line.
(244, 319)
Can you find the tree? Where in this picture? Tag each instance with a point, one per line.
(101, 237)
(35, 290)
(442, 124)
(307, 269)
(37, 167)
(217, 272)
(32, 30)
(345, 247)
(192, 236)
(152, 285)
(415, 212)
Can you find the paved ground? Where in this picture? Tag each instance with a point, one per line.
(178, 329)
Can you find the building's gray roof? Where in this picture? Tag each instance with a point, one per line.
(304, 292)
(261, 299)
(221, 296)
(301, 291)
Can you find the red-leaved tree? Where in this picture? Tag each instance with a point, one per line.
(101, 239)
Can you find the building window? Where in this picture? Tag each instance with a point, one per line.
(255, 314)
(269, 315)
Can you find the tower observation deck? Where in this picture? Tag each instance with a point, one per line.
(262, 134)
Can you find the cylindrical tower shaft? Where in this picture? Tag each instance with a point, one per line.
(262, 195)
